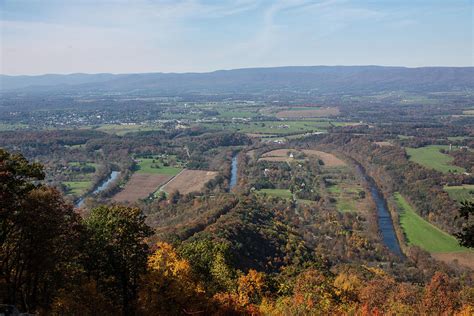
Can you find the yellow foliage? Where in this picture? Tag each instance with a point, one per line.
(347, 282)
(165, 261)
(466, 310)
(251, 287)
(375, 271)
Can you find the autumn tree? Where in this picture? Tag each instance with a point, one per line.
(314, 291)
(440, 297)
(251, 287)
(117, 252)
(39, 234)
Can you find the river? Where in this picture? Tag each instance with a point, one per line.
(104, 185)
(385, 223)
(233, 172)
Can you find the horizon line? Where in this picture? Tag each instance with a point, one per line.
(217, 70)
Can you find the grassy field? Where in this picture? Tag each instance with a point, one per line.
(308, 112)
(282, 193)
(461, 192)
(421, 233)
(77, 187)
(146, 165)
(240, 114)
(334, 189)
(345, 205)
(430, 157)
(11, 127)
(272, 127)
(455, 138)
(121, 130)
(468, 112)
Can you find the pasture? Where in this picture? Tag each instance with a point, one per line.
(166, 166)
(423, 234)
(77, 188)
(141, 186)
(308, 112)
(461, 192)
(431, 158)
(272, 127)
(347, 192)
(189, 181)
(237, 114)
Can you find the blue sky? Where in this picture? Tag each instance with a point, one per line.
(124, 36)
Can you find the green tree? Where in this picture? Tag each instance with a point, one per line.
(211, 261)
(466, 235)
(117, 252)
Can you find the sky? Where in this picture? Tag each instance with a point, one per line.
(126, 36)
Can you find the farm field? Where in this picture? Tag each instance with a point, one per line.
(423, 234)
(121, 130)
(384, 144)
(80, 176)
(347, 191)
(468, 112)
(77, 188)
(278, 155)
(308, 112)
(155, 166)
(272, 127)
(346, 205)
(237, 114)
(283, 155)
(141, 186)
(329, 160)
(465, 258)
(461, 192)
(189, 181)
(455, 138)
(430, 157)
(12, 127)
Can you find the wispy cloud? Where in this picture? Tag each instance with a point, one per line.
(200, 35)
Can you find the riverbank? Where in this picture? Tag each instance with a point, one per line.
(384, 218)
(101, 187)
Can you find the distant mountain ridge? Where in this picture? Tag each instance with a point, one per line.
(251, 80)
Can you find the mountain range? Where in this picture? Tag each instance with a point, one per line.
(320, 79)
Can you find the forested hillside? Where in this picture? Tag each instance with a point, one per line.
(235, 253)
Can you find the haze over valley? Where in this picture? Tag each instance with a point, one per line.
(153, 166)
